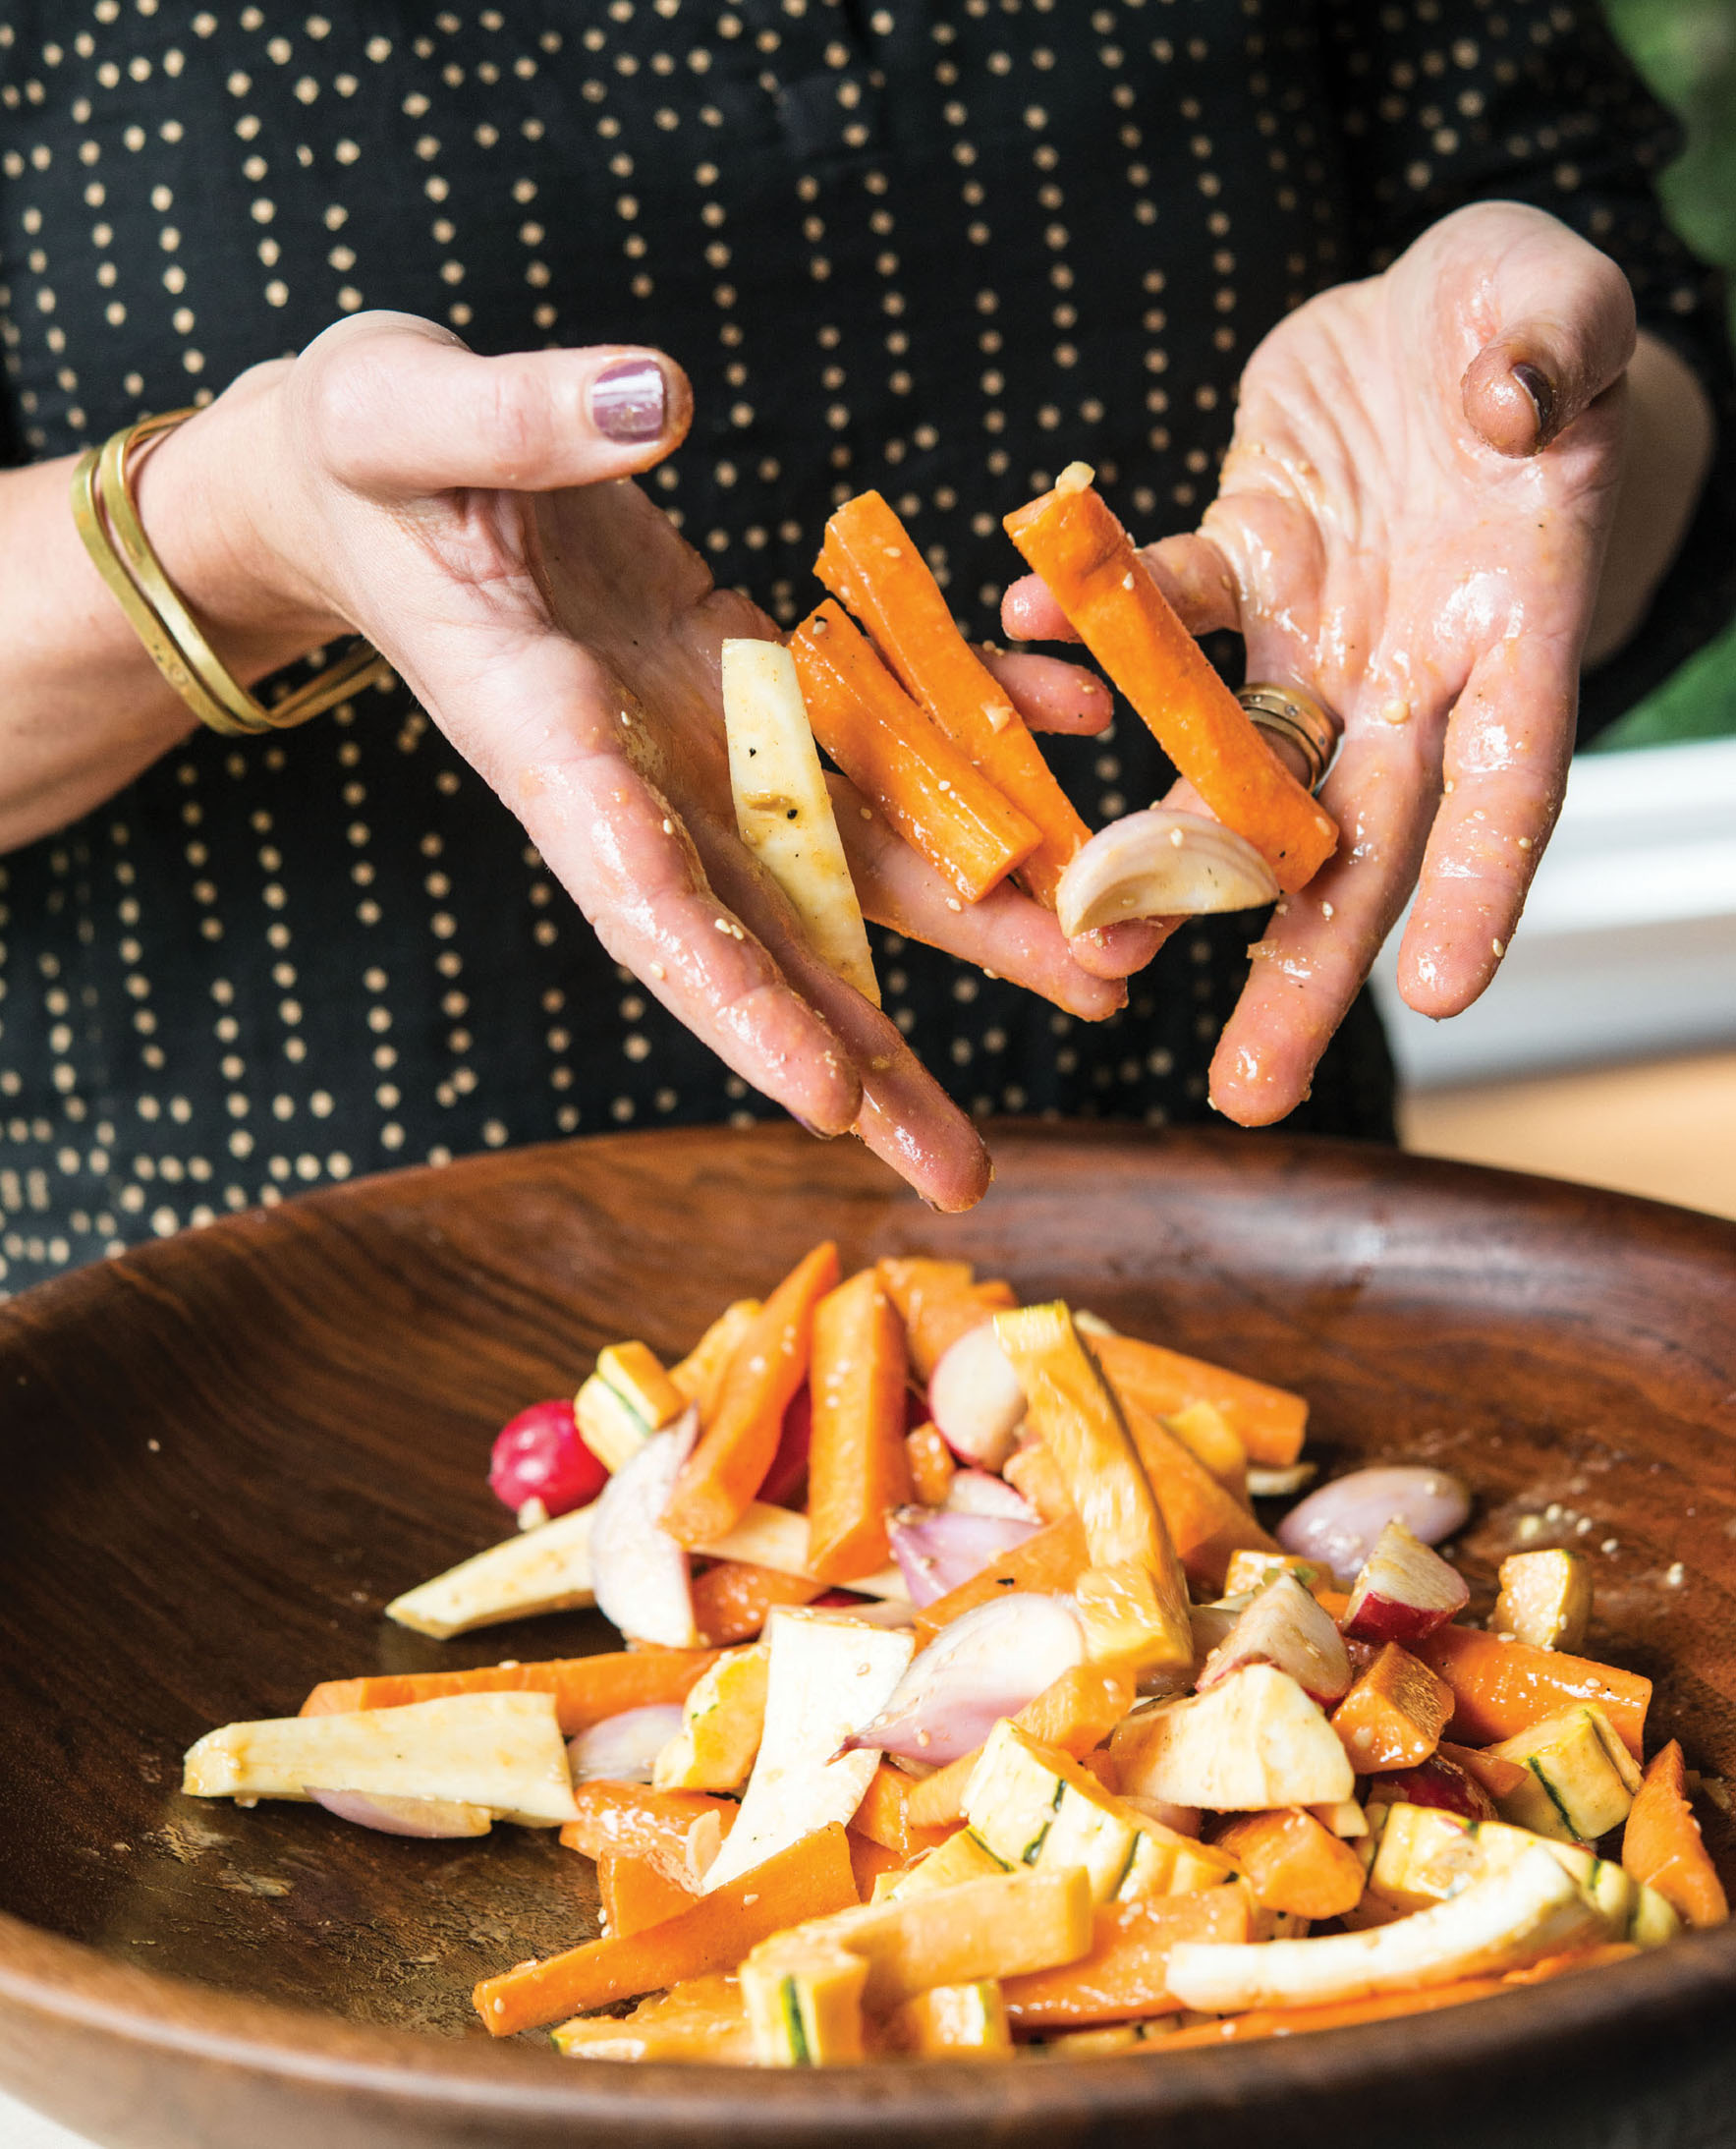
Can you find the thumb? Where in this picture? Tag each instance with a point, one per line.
(1565, 334)
(400, 407)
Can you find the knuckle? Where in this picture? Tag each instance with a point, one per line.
(516, 422)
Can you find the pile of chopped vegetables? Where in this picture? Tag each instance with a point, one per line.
(968, 1707)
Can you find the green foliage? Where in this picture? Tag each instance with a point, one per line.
(1687, 51)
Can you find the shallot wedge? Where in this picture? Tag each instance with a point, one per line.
(1286, 1627)
(1404, 1591)
(978, 1493)
(1339, 1525)
(1160, 864)
(624, 1748)
(985, 1666)
(937, 1551)
(430, 1818)
(638, 1571)
(975, 1398)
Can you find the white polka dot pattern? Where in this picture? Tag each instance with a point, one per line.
(939, 246)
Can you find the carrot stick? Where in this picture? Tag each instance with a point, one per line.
(857, 1469)
(1293, 1863)
(585, 1689)
(901, 761)
(809, 1879)
(871, 564)
(1106, 591)
(1206, 1523)
(1050, 1561)
(1270, 1422)
(632, 1820)
(1662, 1844)
(720, 1477)
(700, 1374)
(931, 1467)
(1500, 1688)
(1125, 1972)
(938, 1301)
(1498, 1776)
(733, 1599)
(635, 1895)
(1393, 1717)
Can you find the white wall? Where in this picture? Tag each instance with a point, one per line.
(1628, 944)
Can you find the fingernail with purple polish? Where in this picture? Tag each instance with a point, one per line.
(1541, 391)
(630, 400)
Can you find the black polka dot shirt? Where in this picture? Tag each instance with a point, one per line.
(936, 247)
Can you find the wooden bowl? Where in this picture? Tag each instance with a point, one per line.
(224, 1453)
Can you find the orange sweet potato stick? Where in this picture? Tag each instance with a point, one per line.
(634, 1895)
(1500, 1688)
(808, 1881)
(938, 1300)
(1293, 1863)
(1270, 1422)
(1205, 1522)
(1125, 1972)
(858, 1468)
(1099, 581)
(885, 1814)
(723, 1473)
(901, 761)
(931, 1467)
(585, 1689)
(733, 1599)
(632, 1820)
(870, 562)
(1662, 1844)
(1393, 1717)
(1051, 1561)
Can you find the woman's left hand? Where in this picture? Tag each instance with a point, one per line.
(1411, 522)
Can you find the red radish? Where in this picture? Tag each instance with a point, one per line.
(1339, 1523)
(430, 1818)
(538, 1455)
(1404, 1592)
(978, 1492)
(623, 1749)
(788, 1474)
(976, 1398)
(638, 1573)
(1284, 1626)
(937, 1551)
(985, 1666)
(1441, 1783)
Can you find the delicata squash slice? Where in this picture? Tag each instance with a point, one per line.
(1218, 1801)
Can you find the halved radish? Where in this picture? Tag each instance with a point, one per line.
(1404, 1592)
(975, 1398)
(1285, 1627)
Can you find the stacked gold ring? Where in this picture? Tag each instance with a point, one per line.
(107, 519)
(1292, 716)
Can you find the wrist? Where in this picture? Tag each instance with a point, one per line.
(217, 504)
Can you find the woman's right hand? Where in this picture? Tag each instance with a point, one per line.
(472, 517)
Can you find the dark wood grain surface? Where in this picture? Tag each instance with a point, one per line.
(223, 1454)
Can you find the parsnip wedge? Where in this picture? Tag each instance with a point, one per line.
(1252, 1743)
(545, 1569)
(777, 1538)
(783, 808)
(824, 1677)
(1533, 1909)
(501, 1751)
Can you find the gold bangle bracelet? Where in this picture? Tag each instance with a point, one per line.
(107, 519)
